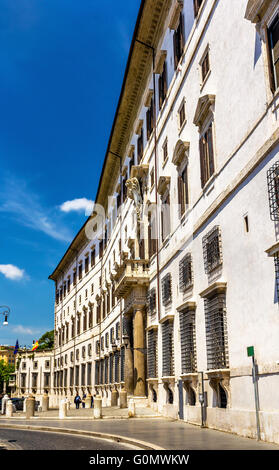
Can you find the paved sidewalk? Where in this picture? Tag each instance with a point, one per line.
(161, 432)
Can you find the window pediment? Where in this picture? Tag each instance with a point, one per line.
(256, 10)
(163, 184)
(180, 152)
(205, 104)
(174, 21)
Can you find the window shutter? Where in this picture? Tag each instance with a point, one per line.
(181, 34)
(202, 162)
(180, 195)
(210, 151)
(269, 60)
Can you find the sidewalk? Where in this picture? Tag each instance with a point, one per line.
(161, 432)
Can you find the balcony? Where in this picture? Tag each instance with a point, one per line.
(130, 273)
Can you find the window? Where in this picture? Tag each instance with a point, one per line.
(101, 248)
(188, 341)
(150, 119)
(102, 343)
(140, 146)
(152, 301)
(165, 216)
(273, 190)
(197, 5)
(74, 278)
(185, 272)
(166, 289)
(212, 249)
(80, 271)
(216, 331)
(118, 330)
(205, 66)
(93, 258)
(86, 264)
(165, 151)
(182, 114)
(167, 340)
(107, 340)
(68, 285)
(163, 86)
(152, 359)
(178, 42)
(151, 234)
(206, 155)
(273, 53)
(83, 351)
(183, 192)
(152, 178)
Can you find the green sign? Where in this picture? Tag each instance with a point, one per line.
(250, 351)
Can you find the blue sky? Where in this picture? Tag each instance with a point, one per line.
(62, 64)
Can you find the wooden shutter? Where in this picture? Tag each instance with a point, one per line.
(180, 195)
(202, 162)
(210, 151)
(274, 46)
(269, 60)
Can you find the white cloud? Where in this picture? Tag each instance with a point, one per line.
(25, 330)
(81, 204)
(11, 272)
(25, 206)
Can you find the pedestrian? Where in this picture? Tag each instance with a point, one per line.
(77, 400)
(83, 400)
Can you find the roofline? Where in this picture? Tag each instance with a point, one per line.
(110, 138)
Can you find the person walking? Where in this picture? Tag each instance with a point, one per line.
(77, 400)
(83, 400)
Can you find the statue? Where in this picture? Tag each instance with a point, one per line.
(134, 193)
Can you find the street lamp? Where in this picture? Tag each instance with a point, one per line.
(126, 342)
(6, 313)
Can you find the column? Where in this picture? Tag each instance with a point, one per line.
(139, 356)
(129, 363)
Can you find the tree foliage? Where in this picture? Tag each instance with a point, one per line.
(5, 371)
(46, 341)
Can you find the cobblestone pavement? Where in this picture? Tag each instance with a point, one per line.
(165, 433)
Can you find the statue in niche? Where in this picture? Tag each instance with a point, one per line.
(134, 193)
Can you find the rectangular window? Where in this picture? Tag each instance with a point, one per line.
(68, 285)
(151, 234)
(166, 289)
(185, 273)
(93, 258)
(150, 119)
(205, 66)
(216, 332)
(206, 156)
(86, 265)
(273, 190)
(97, 373)
(167, 340)
(122, 356)
(165, 216)
(74, 278)
(178, 42)
(163, 86)
(212, 249)
(165, 151)
(182, 115)
(152, 301)
(183, 193)
(140, 146)
(116, 366)
(80, 271)
(188, 341)
(101, 248)
(152, 359)
(273, 52)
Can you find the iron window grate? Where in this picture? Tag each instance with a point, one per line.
(152, 301)
(185, 272)
(212, 249)
(188, 341)
(167, 339)
(216, 332)
(273, 191)
(166, 289)
(152, 360)
(122, 357)
(116, 366)
(276, 263)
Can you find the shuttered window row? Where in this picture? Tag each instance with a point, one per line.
(188, 341)
(166, 290)
(216, 332)
(152, 361)
(167, 344)
(212, 249)
(185, 272)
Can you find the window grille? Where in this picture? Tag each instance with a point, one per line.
(89, 349)
(111, 369)
(167, 339)
(188, 341)
(89, 368)
(97, 373)
(111, 335)
(185, 272)
(273, 191)
(152, 354)
(117, 330)
(83, 374)
(77, 375)
(276, 263)
(98, 348)
(212, 249)
(102, 371)
(166, 289)
(116, 366)
(77, 354)
(107, 340)
(106, 369)
(152, 301)
(216, 332)
(122, 378)
(83, 351)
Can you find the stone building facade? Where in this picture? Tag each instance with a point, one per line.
(182, 275)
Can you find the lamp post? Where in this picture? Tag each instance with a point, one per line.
(6, 313)
(126, 342)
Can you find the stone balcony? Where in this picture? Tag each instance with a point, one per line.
(130, 273)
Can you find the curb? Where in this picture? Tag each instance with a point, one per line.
(111, 437)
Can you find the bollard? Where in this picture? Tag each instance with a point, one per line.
(68, 403)
(24, 405)
(114, 396)
(131, 408)
(4, 403)
(30, 407)
(88, 401)
(63, 409)
(45, 402)
(123, 398)
(97, 407)
(9, 409)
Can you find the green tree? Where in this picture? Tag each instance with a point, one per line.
(5, 371)
(46, 341)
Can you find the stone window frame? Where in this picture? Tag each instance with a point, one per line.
(204, 79)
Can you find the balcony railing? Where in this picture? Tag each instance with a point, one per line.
(128, 273)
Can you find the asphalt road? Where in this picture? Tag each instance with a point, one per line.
(36, 440)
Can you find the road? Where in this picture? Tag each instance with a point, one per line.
(36, 440)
